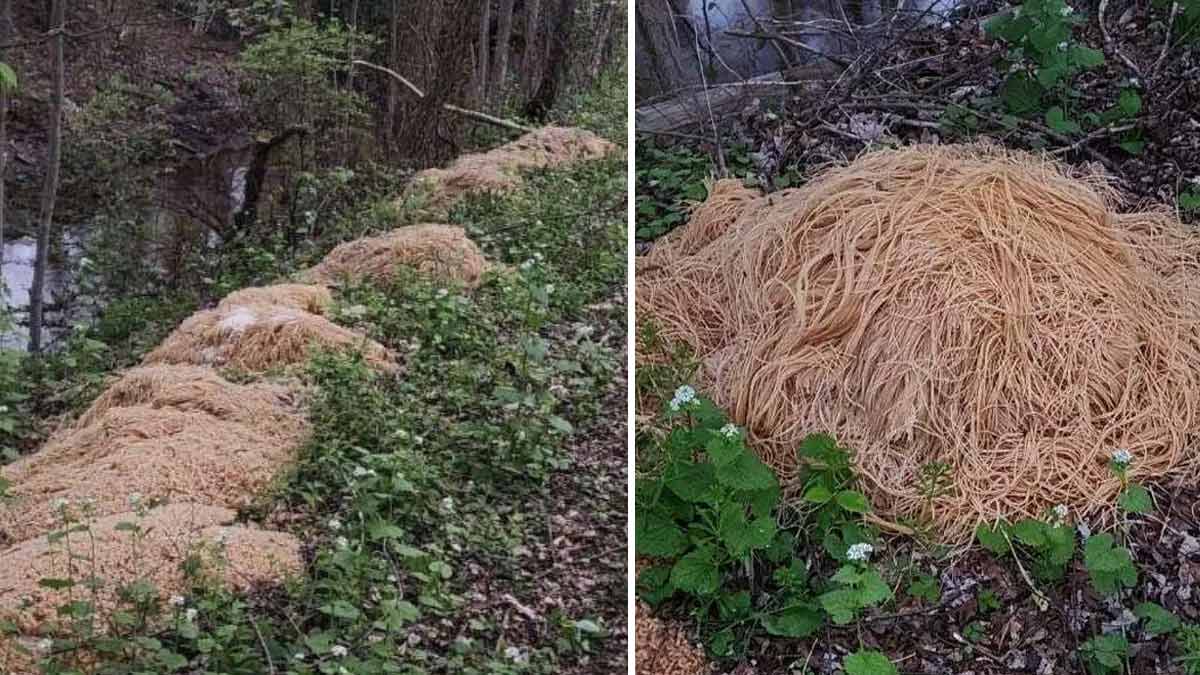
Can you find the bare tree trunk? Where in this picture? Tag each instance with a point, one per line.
(557, 62)
(485, 48)
(393, 96)
(50, 191)
(529, 58)
(503, 47)
(5, 35)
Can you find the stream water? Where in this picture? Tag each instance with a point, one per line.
(18, 258)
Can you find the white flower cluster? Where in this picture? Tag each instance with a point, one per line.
(860, 552)
(1122, 457)
(339, 651)
(1066, 11)
(684, 396)
(178, 600)
(730, 431)
(1060, 512)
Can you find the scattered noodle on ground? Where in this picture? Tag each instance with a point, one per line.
(957, 304)
(163, 454)
(498, 170)
(172, 532)
(664, 650)
(439, 251)
(257, 338)
(311, 298)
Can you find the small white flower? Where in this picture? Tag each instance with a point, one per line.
(191, 614)
(730, 431)
(339, 651)
(299, 656)
(1060, 512)
(1066, 11)
(516, 655)
(683, 397)
(335, 524)
(3, 408)
(447, 505)
(1062, 46)
(178, 600)
(45, 644)
(1122, 457)
(392, 578)
(1133, 82)
(360, 472)
(342, 542)
(441, 292)
(859, 552)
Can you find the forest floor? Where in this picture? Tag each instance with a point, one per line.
(972, 613)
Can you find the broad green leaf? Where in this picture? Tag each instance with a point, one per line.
(734, 605)
(853, 501)
(1057, 120)
(740, 536)
(1021, 93)
(696, 573)
(658, 536)
(654, 584)
(1030, 532)
(1129, 102)
(1156, 620)
(693, 482)
(818, 494)
(868, 663)
(747, 473)
(797, 621)
(992, 538)
(1136, 499)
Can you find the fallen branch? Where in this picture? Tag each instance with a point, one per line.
(471, 114)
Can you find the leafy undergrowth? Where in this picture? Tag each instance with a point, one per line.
(807, 585)
(464, 516)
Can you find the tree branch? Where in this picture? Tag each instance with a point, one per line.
(471, 114)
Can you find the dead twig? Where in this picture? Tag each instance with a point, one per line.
(470, 114)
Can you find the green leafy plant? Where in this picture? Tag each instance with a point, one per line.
(1109, 567)
(830, 490)
(1048, 544)
(1155, 619)
(1043, 60)
(855, 587)
(1105, 654)
(1187, 638)
(868, 663)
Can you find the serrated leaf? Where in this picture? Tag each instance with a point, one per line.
(1021, 93)
(654, 584)
(992, 538)
(797, 621)
(747, 473)
(868, 663)
(853, 501)
(1056, 119)
(693, 482)
(657, 536)
(1136, 499)
(818, 494)
(696, 573)
(740, 536)
(1129, 102)
(1030, 532)
(1155, 619)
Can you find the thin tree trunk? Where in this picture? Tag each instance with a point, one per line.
(50, 191)
(485, 48)
(557, 63)
(529, 58)
(393, 96)
(503, 46)
(5, 36)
